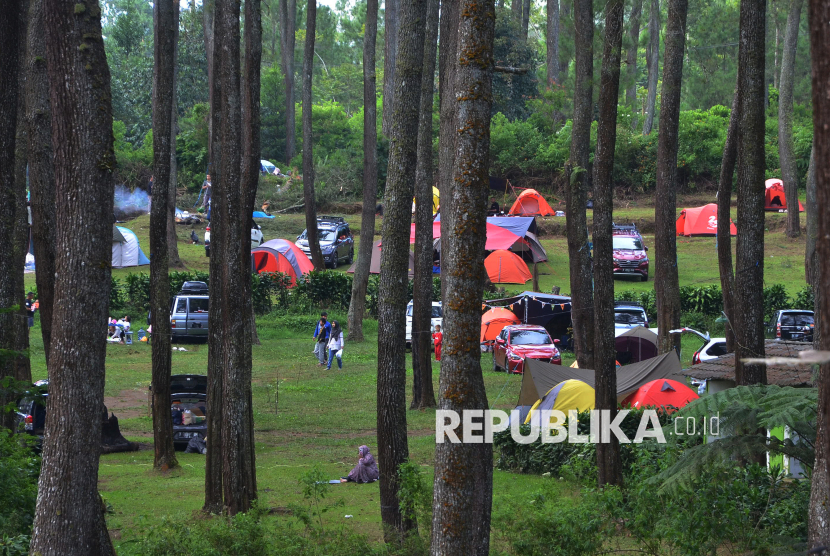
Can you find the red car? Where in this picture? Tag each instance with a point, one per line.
(519, 341)
(630, 257)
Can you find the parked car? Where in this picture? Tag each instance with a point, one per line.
(437, 317)
(188, 399)
(335, 240)
(518, 342)
(628, 314)
(629, 252)
(713, 348)
(256, 238)
(189, 312)
(793, 324)
(30, 416)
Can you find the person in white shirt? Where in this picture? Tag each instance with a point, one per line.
(336, 345)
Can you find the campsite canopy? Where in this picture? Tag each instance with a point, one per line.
(701, 221)
(551, 311)
(527, 246)
(374, 265)
(279, 255)
(494, 320)
(567, 395)
(662, 392)
(636, 344)
(125, 249)
(531, 203)
(497, 238)
(774, 198)
(504, 267)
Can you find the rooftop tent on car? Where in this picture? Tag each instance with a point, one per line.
(126, 250)
(774, 198)
(531, 203)
(701, 221)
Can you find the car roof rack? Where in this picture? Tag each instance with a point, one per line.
(194, 287)
(624, 228)
(628, 304)
(332, 219)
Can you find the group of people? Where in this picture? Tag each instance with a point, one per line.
(118, 329)
(328, 336)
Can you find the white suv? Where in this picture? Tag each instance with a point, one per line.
(437, 317)
(256, 238)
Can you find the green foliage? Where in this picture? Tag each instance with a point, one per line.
(315, 487)
(326, 290)
(511, 91)
(415, 495)
(19, 471)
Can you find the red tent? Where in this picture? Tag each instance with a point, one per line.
(279, 255)
(374, 264)
(497, 237)
(662, 392)
(494, 320)
(531, 203)
(701, 221)
(775, 199)
(504, 267)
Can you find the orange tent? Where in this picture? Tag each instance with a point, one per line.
(494, 320)
(701, 221)
(662, 393)
(504, 267)
(775, 199)
(531, 203)
(280, 255)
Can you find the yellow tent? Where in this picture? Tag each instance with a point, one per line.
(567, 395)
(436, 201)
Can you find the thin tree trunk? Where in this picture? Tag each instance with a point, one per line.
(525, 18)
(390, 51)
(578, 172)
(288, 20)
(516, 9)
(163, 102)
(775, 71)
(749, 249)
(69, 518)
(631, 58)
(565, 34)
(724, 241)
(393, 449)
(789, 171)
(819, 512)
(811, 260)
(357, 307)
(608, 454)
(552, 40)
(653, 64)
(173, 258)
(208, 16)
(666, 278)
(463, 491)
(308, 156)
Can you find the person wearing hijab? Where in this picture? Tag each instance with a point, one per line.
(335, 345)
(366, 469)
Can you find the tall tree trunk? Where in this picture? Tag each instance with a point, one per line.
(608, 454)
(423, 394)
(516, 9)
(463, 493)
(288, 20)
(724, 241)
(652, 64)
(666, 278)
(811, 260)
(789, 171)
(357, 307)
(565, 34)
(819, 512)
(390, 52)
(69, 517)
(525, 18)
(552, 43)
(41, 171)
(578, 172)
(163, 102)
(631, 58)
(173, 258)
(308, 143)
(393, 449)
(208, 8)
(749, 249)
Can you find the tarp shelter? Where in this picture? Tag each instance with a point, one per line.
(774, 198)
(279, 255)
(125, 249)
(497, 238)
(494, 320)
(504, 267)
(566, 396)
(636, 344)
(662, 393)
(701, 221)
(531, 203)
(260, 214)
(548, 310)
(499, 184)
(374, 265)
(527, 246)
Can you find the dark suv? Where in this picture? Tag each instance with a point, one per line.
(630, 258)
(188, 399)
(30, 416)
(793, 324)
(335, 238)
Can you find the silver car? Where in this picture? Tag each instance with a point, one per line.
(189, 313)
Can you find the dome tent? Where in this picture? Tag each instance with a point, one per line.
(126, 250)
(374, 264)
(774, 197)
(531, 203)
(279, 255)
(565, 396)
(701, 221)
(494, 320)
(662, 393)
(504, 267)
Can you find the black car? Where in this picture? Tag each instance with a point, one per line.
(30, 417)
(188, 399)
(335, 239)
(793, 324)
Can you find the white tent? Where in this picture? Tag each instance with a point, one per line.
(125, 249)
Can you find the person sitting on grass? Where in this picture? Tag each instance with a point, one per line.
(366, 469)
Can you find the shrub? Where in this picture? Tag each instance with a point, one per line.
(19, 471)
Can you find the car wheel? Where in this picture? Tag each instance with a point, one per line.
(350, 260)
(645, 278)
(334, 261)
(495, 366)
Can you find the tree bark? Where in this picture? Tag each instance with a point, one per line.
(552, 40)
(393, 449)
(724, 241)
(69, 517)
(525, 18)
(631, 58)
(462, 498)
(578, 172)
(208, 7)
(749, 249)
(163, 102)
(789, 171)
(811, 260)
(516, 9)
(423, 394)
(653, 64)
(666, 278)
(608, 454)
(390, 51)
(288, 20)
(173, 258)
(308, 156)
(565, 34)
(41, 172)
(357, 307)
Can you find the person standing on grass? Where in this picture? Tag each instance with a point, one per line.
(321, 338)
(206, 187)
(30, 308)
(438, 339)
(336, 345)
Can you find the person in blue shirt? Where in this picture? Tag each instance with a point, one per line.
(321, 338)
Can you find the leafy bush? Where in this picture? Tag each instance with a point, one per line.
(19, 471)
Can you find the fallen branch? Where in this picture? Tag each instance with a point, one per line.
(289, 208)
(511, 69)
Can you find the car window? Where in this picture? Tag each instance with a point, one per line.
(717, 349)
(804, 320)
(347, 231)
(409, 310)
(629, 317)
(327, 236)
(198, 305)
(628, 243)
(529, 338)
(503, 335)
(787, 320)
(181, 305)
(437, 312)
